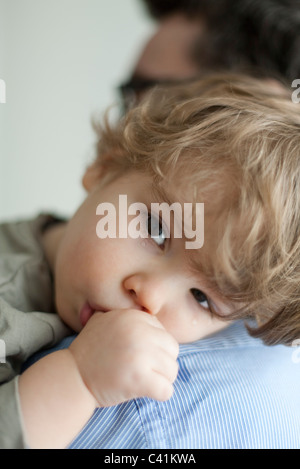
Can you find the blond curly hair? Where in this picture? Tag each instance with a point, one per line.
(234, 141)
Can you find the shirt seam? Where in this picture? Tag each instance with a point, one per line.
(142, 423)
(214, 348)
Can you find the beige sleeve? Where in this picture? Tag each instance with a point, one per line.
(11, 429)
(21, 335)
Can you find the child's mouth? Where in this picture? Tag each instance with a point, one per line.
(87, 312)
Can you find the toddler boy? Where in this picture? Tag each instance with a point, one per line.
(226, 142)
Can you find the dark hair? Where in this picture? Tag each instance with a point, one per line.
(248, 35)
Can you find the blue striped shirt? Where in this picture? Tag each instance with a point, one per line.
(231, 392)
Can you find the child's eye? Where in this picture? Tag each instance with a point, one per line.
(156, 231)
(201, 298)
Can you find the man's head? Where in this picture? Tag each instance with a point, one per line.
(231, 143)
(264, 34)
(260, 37)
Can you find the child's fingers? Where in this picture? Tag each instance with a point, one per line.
(166, 341)
(163, 338)
(155, 379)
(160, 388)
(167, 367)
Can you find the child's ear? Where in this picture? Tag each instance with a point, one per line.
(91, 176)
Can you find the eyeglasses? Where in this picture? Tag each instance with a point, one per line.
(132, 91)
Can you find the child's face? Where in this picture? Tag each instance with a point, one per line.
(153, 275)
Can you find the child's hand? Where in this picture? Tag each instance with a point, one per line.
(125, 354)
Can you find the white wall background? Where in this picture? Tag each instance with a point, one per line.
(62, 61)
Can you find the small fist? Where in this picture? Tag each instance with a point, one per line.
(125, 354)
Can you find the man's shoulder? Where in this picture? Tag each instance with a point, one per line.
(231, 391)
(234, 356)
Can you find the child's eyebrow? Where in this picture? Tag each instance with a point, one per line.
(160, 194)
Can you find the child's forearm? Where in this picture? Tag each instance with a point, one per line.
(55, 403)
(120, 355)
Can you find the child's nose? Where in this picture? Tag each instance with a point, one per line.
(148, 293)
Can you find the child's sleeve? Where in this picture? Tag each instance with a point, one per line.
(11, 431)
(21, 335)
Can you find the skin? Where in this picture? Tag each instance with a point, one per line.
(167, 55)
(144, 274)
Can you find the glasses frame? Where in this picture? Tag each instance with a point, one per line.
(130, 90)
